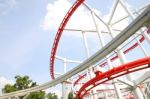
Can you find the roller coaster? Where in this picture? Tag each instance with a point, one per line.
(106, 74)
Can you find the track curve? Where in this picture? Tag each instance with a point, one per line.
(59, 33)
(115, 57)
(114, 73)
(120, 38)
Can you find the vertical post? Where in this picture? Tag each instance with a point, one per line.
(113, 11)
(65, 65)
(116, 86)
(144, 34)
(89, 73)
(65, 90)
(123, 60)
(64, 95)
(137, 92)
(85, 44)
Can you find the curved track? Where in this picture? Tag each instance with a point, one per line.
(114, 73)
(59, 33)
(115, 57)
(118, 40)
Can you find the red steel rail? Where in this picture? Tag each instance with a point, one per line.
(114, 73)
(59, 33)
(116, 56)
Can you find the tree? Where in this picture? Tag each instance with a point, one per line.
(8, 88)
(36, 95)
(70, 96)
(51, 96)
(24, 83)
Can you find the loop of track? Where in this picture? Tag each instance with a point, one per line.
(57, 39)
(59, 33)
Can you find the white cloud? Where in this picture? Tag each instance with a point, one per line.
(58, 10)
(6, 5)
(81, 19)
(55, 14)
(3, 82)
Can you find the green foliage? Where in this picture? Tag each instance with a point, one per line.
(51, 96)
(70, 96)
(24, 83)
(9, 88)
(36, 95)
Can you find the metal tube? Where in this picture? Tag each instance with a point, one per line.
(118, 40)
(85, 44)
(113, 11)
(116, 86)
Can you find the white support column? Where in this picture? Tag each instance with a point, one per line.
(64, 84)
(85, 44)
(144, 34)
(143, 78)
(142, 48)
(113, 11)
(116, 86)
(64, 91)
(102, 44)
(89, 73)
(136, 91)
(65, 65)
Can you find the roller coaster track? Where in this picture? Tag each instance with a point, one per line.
(115, 57)
(114, 73)
(59, 33)
(118, 40)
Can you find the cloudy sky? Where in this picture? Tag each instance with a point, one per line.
(27, 30)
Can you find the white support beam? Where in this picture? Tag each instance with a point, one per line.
(142, 78)
(95, 14)
(60, 58)
(113, 11)
(107, 49)
(139, 11)
(80, 30)
(127, 82)
(93, 31)
(73, 61)
(57, 73)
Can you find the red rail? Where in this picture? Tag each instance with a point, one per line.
(114, 73)
(116, 56)
(59, 33)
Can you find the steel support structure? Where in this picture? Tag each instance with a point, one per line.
(137, 24)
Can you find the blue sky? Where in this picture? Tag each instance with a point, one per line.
(25, 46)
(26, 36)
